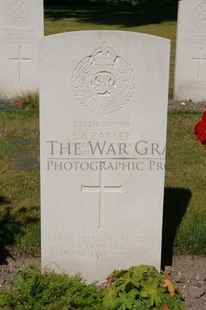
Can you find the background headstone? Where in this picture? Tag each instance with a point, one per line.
(103, 109)
(21, 28)
(190, 64)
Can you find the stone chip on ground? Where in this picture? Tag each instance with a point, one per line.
(193, 288)
(186, 105)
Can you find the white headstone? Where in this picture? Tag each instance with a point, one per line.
(190, 64)
(21, 27)
(103, 97)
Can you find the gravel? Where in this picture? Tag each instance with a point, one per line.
(189, 275)
(11, 265)
(186, 105)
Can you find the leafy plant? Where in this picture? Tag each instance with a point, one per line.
(142, 288)
(138, 288)
(32, 290)
(8, 105)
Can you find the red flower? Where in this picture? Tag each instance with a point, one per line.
(200, 129)
(17, 104)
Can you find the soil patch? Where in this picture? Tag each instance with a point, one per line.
(186, 105)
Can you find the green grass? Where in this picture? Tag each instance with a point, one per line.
(185, 215)
(152, 18)
(185, 169)
(27, 100)
(185, 196)
(19, 195)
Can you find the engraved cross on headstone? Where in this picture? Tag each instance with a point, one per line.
(19, 59)
(101, 189)
(200, 59)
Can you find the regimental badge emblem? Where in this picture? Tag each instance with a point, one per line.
(199, 15)
(103, 82)
(19, 12)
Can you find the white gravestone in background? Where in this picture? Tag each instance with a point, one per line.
(190, 64)
(21, 28)
(103, 98)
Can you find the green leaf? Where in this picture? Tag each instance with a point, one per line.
(123, 282)
(140, 288)
(139, 305)
(127, 300)
(179, 306)
(110, 298)
(152, 296)
(151, 283)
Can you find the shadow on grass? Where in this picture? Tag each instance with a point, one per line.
(4, 200)
(176, 201)
(13, 225)
(121, 15)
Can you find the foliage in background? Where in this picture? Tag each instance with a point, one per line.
(8, 105)
(140, 288)
(27, 100)
(106, 2)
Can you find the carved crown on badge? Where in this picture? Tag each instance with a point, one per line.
(104, 55)
(103, 82)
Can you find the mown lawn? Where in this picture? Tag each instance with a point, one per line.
(185, 183)
(151, 18)
(185, 194)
